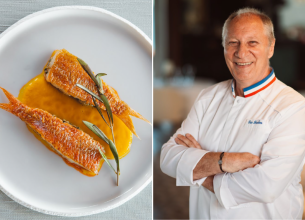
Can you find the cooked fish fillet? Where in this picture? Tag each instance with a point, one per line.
(64, 71)
(69, 142)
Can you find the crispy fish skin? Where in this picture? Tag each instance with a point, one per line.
(69, 142)
(64, 71)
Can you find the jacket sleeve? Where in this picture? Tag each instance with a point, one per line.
(179, 161)
(282, 159)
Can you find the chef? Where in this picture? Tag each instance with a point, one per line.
(241, 149)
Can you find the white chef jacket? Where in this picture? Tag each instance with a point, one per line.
(268, 122)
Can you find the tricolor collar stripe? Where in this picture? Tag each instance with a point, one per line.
(257, 87)
(264, 87)
(263, 84)
(259, 83)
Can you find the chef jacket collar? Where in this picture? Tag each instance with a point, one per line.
(257, 87)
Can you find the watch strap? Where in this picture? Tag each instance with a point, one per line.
(220, 161)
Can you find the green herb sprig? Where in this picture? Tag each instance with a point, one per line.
(102, 98)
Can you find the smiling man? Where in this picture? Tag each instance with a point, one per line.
(242, 147)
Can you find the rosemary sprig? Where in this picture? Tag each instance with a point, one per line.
(99, 111)
(87, 69)
(102, 98)
(105, 158)
(101, 135)
(100, 74)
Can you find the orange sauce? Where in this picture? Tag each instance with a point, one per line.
(38, 93)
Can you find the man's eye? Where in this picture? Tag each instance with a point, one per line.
(253, 42)
(233, 43)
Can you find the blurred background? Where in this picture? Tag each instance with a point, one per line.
(189, 57)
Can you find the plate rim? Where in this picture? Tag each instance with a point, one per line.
(148, 40)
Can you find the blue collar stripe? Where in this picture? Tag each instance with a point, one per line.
(259, 83)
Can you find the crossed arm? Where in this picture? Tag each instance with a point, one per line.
(282, 158)
(208, 165)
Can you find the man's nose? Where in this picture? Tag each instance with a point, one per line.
(242, 51)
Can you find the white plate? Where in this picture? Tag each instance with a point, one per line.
(31, 174)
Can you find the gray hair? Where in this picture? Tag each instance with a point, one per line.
(248, 12)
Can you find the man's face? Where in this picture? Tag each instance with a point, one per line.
(247, 50)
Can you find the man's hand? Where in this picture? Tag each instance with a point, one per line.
(208, 165)
(208, 183)
(188, 141)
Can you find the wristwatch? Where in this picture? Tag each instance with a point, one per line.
(220, 161)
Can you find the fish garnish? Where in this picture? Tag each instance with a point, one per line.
(64, 71)
(102, 98)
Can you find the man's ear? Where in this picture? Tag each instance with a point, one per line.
(271, 49)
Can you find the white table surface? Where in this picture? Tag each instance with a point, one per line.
(138, 12)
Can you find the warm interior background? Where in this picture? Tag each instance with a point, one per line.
(189, 57)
